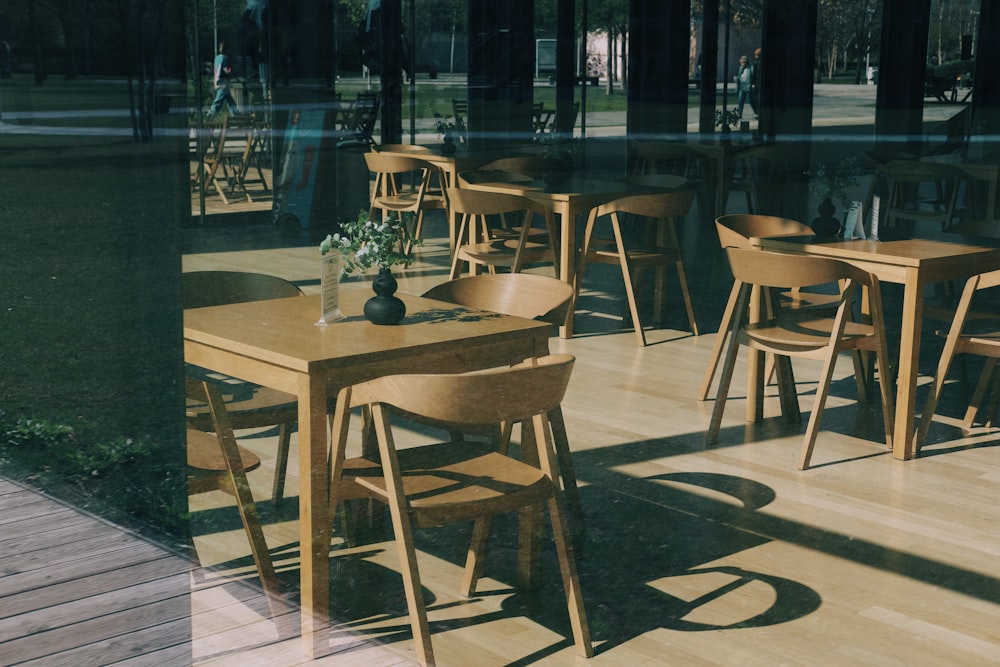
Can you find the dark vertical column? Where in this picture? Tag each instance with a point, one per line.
(709, 52)
(391, 64)
(658, 67)
(788, 53)
(986, 81)
(501, 71)
(565, 64)
(787, 62)
(899, 101)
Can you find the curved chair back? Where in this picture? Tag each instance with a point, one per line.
(525, 295)
(528, 165)
(735, 231)
(477, 202)
(481, 241)
(487, 397)
(786, 271)
(657, 205)
(200, 289)
(664, 181)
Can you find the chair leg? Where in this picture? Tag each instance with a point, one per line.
(630, 293)
(255, 535)
(281, 463)
(567, 474)
(564, 547)
(786, 387)
(475, 560)
(726, 378)
(982, 385)
(686, 294)
(720, 341)
(994, 401)
(819, 404)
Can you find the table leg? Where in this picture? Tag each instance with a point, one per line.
(906, 375)
(755, 364)
(991, 195)
(567, 256)
(314, 521)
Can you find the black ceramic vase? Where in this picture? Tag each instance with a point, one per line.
(448, 147)
(826, 224)
(384, 307)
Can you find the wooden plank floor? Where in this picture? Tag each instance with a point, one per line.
(702, 555)
(693, 555)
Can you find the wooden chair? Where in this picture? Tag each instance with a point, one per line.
(443, 483)
(216, 463)
(737, 231)
(487, 238)
(661, 251)
(211, 170)
(674, 158)
(530, 296)
(241, 156)
(460, 108)
(985, 344)
(405, 185)
(920, 191)
(526, 295)
(762, 174)
(667, 157)
(365, 113)
(786, 332)
(248, 405)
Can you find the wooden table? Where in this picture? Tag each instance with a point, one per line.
(277, 344)
(452, 164)
(573, 197)
(721, 157)
(913, 263)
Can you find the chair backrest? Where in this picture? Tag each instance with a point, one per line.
(477, 202)
(387, 168)
(527, 165)
(385, 163)
(659, 205)
(506, 394)
(922, 171)
(525, 295)
(786, 271)
(417, 151)
(665, 181)
(200, 289)
(735, 231)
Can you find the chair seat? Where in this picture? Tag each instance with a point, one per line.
(456, 489)
(803, 333)
(983, 344)
(251, 406)
(204, 455)
(408, 200)
(503, 252)
(637, 256)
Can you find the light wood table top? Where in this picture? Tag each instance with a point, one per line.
(572, 197)
(277, 344)
(913, 263)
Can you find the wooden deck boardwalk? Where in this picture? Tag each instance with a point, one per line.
(76, 590)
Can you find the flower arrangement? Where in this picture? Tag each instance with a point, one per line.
(446, 127)
(727, 118)
(366, 243)
(833, 180)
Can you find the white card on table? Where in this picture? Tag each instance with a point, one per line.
(873, 230)
(330, 267)
(854, 223)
